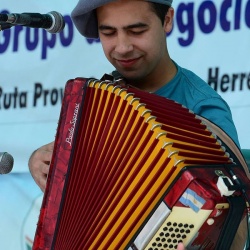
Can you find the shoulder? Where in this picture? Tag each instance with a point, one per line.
(200, 91)
(189, 89)
(189, 79)
(193, 92)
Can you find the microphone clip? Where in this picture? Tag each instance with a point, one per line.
(5, 26)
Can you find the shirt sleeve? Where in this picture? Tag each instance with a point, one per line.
(217, 111)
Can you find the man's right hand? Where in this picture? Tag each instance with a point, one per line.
(39, 163)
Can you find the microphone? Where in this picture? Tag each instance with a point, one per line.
(6, 162)
(53, 21)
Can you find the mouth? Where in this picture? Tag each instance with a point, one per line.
(126, 63)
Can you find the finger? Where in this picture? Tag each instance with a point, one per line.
(181, 246)
(45, 156)
(41, 182)
(39, 155)
(51, 145)
(40, 178)
(48, 147)
(44, 168)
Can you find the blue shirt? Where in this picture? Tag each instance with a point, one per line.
(194, 93)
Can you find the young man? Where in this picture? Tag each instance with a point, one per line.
(133, 36)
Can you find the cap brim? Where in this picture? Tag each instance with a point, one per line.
(84, 17)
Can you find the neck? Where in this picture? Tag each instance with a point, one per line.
(155, 80)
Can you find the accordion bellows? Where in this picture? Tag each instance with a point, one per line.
(118, 150)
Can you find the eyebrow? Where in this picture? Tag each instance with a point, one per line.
(131, 26)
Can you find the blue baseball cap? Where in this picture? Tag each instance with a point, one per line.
(84, 18)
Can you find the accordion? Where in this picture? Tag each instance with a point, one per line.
(132, 170)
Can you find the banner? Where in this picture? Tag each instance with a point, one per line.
(20, 200)
(210, 38)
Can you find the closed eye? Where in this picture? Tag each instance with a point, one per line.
(137, 28)
(107, 33)
(107, 30)
(137, 31)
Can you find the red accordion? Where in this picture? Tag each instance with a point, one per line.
(132, 170)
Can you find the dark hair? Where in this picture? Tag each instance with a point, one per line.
(160, 10)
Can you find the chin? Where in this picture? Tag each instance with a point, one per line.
(133, 76)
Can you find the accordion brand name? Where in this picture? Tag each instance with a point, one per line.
(73, 124)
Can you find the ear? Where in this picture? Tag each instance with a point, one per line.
(168, 22)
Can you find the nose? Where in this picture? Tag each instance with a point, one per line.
(123, 44)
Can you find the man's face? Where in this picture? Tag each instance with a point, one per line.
(133, 38)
